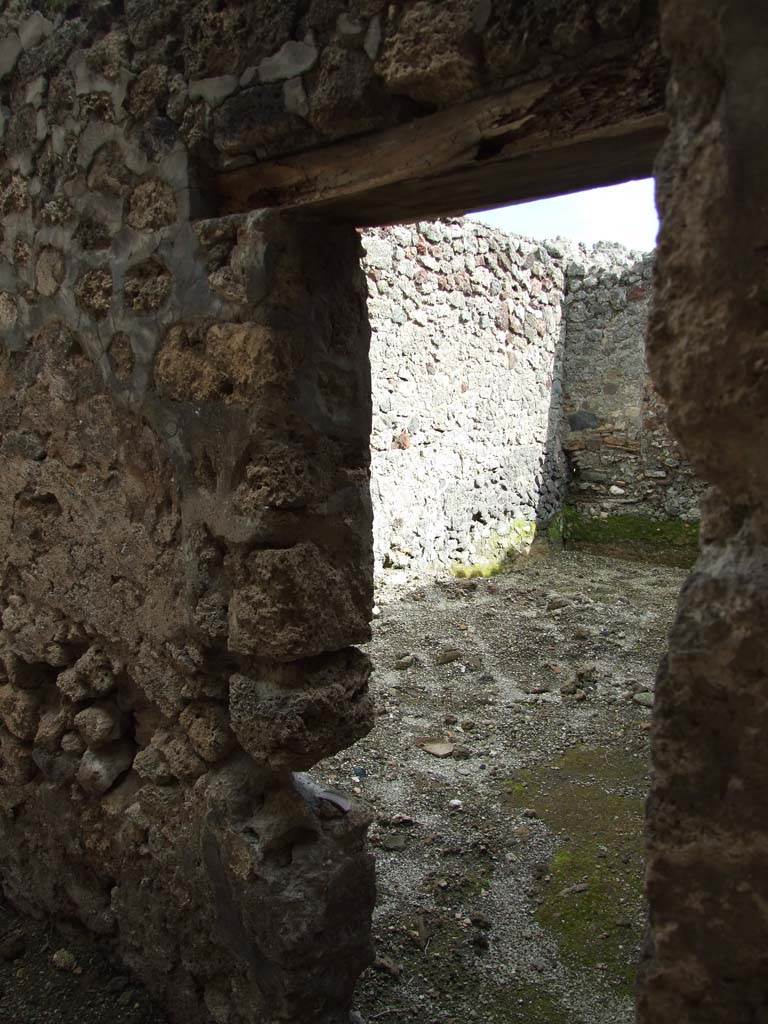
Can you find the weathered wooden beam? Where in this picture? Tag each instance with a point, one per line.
(600, 158)
(444, 140)
(541, 138)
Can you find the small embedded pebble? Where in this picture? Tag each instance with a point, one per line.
(448, 655)
(401, 819)
(394, 843)
(63, 960)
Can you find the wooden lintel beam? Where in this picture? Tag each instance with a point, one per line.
(581, 163)
(445, 139)
(539, 139)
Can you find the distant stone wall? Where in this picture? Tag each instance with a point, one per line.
(466, 358)
(622, 456)
(507, 375)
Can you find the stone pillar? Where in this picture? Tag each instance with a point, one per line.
(708, 813)
(186, 565)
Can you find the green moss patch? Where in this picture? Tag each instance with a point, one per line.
(499, 552)
(669, 541)
(555, 530)
(482, 569)
(525, 1003)
(592, 901)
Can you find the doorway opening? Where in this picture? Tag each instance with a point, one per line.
(532, 523)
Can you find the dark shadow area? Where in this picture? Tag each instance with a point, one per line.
(58, 975)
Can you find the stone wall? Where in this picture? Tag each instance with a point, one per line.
(184, 452)
(509, 377)
(622, 456)
(466, 356)
(707, 865)
(186, 532)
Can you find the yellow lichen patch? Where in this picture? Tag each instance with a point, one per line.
(499, 551)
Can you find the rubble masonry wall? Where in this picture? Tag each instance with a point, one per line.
(509, 377)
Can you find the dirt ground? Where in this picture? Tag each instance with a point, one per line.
(506, 780)
(510, 871)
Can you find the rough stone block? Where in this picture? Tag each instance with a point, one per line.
(292, 718)
(296, 604)
(100, 769)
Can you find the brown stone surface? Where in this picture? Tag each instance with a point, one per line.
(152, 204)
(147, 286)
(277, 715)
(108, 171)
(163, 443)
(707, 819)
(50, 271)
(95, 509)
(185, 413)
(295, 603)
(229, 362)
(429, 55)
(93, 292)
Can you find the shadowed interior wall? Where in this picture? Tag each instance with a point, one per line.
(622, 456)
(185, 417)
(178, 484)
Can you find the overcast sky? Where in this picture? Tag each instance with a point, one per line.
(620, 213)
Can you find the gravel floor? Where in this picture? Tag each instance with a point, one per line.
(506, 778)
